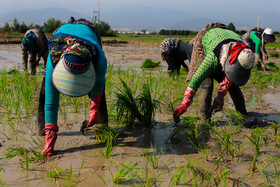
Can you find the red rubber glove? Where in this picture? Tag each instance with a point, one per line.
(50, 131)
(222, 91)
(93, 112)
(187, 101)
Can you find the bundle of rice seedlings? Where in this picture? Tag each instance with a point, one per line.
(148, 63)
(132, 110)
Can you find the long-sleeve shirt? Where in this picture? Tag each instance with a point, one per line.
(210, 41)
(84, 33)
(255, 37)
(40, 49)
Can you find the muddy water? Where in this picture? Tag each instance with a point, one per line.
(73, 149)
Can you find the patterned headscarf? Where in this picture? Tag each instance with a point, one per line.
(167, 46)
(59, 43)
(28, 41)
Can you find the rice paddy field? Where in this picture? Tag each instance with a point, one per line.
(141, 146)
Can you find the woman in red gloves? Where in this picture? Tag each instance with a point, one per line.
(218, 53)
(76, 66)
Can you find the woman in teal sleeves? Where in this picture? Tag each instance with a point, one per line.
(76, 66)
(256, 40)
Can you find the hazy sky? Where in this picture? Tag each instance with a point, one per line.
(233, 6)
(240, 9)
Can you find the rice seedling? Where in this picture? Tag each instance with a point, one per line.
(123, 172)
(179, 173)
(65, 176)
(235, 116)
(132, 109)
(276, 134)
(145, 177)
(152, 158)
(86, 105)
(255, 139)
(22, 151)
(226, 142)
(274, 54)
(2, 181)
(106, 136)
(26, 159)
(148, 63)
(187, 121)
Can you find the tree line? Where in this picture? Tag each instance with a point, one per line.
(50, 25)
(103, 27)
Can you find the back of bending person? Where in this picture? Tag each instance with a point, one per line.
(218, 53)
(175, 52)
(76, 66)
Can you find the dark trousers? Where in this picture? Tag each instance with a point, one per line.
(102, 112)
(205, 98)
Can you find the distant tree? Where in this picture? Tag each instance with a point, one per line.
(162, 32)
(7, 28)
(51, 25)
(16, 25)
(23, 27)
(242, 32)
(144, 31)
(105, 29)
(231, 26)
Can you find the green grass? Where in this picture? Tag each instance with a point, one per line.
(147, 38)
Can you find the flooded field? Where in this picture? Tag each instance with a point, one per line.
(232, 151)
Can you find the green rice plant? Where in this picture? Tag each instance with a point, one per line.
(148, 63)
(145, 178)
(235, 116)
(22, 151)
(226, 142)
(277, 172)
(276, 134)
(147, 106)
(187, 122)
(106, 136)
(152, 158)
(271, 66)
(2, 181)
(180, 173)
(274, 54)
(132, 109)
(77, 103)
(126, 106)
(26, 159)
(123, 172)
(255, 139)
(29, 154)
(63, 109)
(66, 176)
(86, 105)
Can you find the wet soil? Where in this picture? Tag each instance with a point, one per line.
(73, 149)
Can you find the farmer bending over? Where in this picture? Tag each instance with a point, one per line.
(35, 44)
(220, 54)
(175, 52)
(256, 41)
(76, 66)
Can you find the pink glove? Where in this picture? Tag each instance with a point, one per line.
(93, 112)
(224, 86)
(50, 131)
(189, 94)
